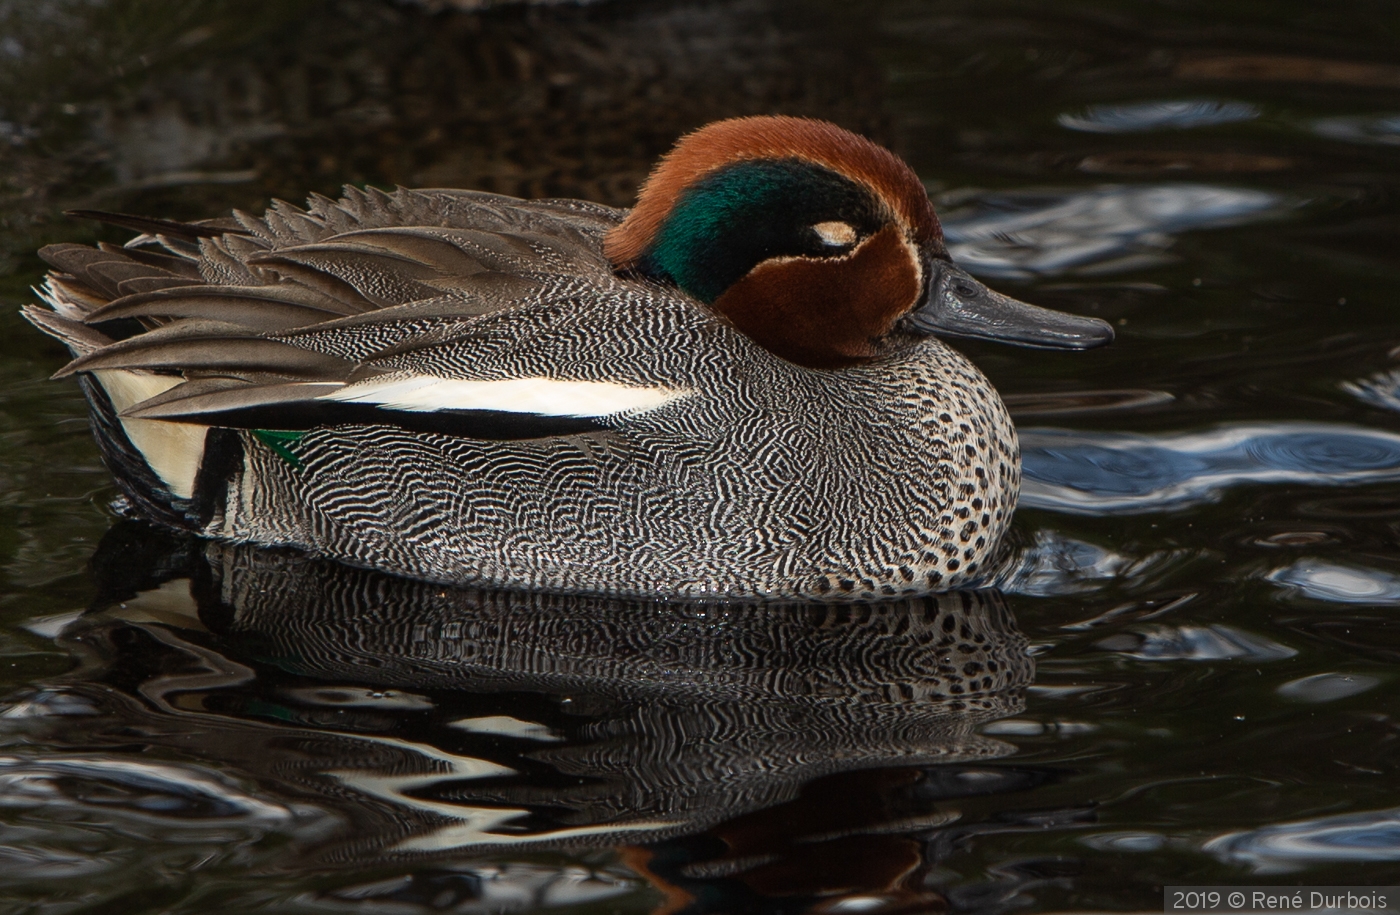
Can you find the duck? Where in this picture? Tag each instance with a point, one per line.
(738, 388)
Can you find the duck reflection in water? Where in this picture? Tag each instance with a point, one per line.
(762, 750)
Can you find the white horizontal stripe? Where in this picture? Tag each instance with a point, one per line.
(539, 396)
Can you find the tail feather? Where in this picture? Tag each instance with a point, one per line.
(179, 265)
(156, 464)
(256, 319)
(69, 298)
(150, 493)
(72, 332)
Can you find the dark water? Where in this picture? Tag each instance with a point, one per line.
(1187, 673)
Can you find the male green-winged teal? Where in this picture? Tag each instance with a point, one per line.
(732, 389)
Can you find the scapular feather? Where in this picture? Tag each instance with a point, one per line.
(264, 315)
(180, 266)
(138, 285)
(202, 399)
(246, 309)
(207, 346)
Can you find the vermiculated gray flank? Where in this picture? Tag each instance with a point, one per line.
(763, 478)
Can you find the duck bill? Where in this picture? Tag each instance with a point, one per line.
(956, 305)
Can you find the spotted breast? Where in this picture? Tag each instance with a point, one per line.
(735, 389)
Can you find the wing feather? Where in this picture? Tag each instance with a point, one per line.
(264, 321)
(203, 400)
(78, 337)
(207, 346)
(178, 265)
(266, 308)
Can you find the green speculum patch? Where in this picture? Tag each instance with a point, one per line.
(281, 443)
(734, 219)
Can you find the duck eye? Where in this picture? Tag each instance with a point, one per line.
(835, 233)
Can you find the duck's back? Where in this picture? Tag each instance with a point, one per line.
(456, 386)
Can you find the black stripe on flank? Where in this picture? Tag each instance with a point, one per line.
(221, 462)
(491, 425)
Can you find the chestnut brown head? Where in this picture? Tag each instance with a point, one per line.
(817, 244)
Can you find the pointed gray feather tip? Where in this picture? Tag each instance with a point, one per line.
(79, 338)
(178, 403)
(350, 299)
(254, 313)
(178, 265)
(208, 353)
(140, 284)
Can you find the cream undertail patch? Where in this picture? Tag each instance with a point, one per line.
(173, 450)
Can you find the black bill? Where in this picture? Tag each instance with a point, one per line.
(956, 305)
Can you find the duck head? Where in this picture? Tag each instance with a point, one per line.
(817, 244)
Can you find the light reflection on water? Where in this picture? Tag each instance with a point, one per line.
(1380, 390)
(158, 795)
(1102, 473)
(1373, 836)
(1138, 116)
(1054, 565)
(1328, 687)
(1126, 841)
(1113, 228)
(1383, 129)
(485, 889)
(1194, 643)
(1329, 581)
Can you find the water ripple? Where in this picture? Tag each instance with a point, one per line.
(1380, 390)
(1064, 403)
(1194, 643)
(1327, 687)
(1157, 115)
(1126, 841)
(43, 703)
(145, 790)
(1370, 836)
(1341, 584)
(496, 889)
(42, 862)
(1384, 129)
(1056, 565)
(1096, 473)
(1031, 234)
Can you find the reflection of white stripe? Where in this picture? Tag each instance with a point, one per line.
(465, 825)
(540, 396)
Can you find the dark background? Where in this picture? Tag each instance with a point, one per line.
(1215, 682)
